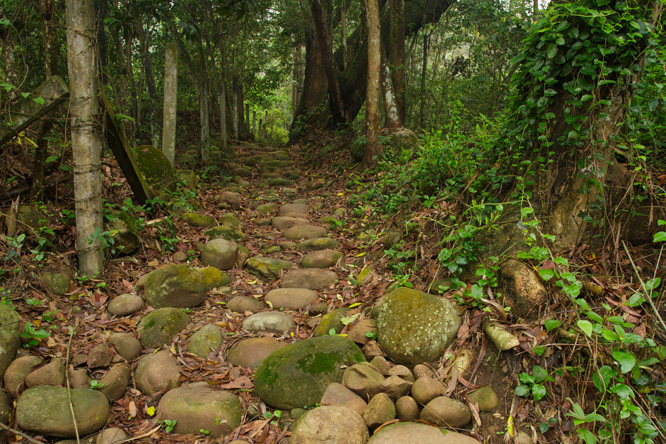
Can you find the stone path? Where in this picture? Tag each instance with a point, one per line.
(274, 315)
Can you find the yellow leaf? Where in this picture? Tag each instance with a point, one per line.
(341, 194)
(361, 254)
(509, 427)
(150, 411)
(252, 282)
(355, 304)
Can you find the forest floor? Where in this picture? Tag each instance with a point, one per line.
(326, 184)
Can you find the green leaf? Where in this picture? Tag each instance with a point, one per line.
(585, 326)
(551, 324)
(540, 373)
(627, 360)
(551, 51)
(522, 390)
(539, 392)
(546, 274)
(659, 236)
(587, 436)
(39, 100)
(602, 378)
(653, 284)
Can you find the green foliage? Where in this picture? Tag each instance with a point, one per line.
(32, 335)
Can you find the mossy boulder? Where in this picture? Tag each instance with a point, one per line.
(125, 233)
(45, 410)
(267, 267)
(156, 169)
(57, 280)
(199, 406)
(10, 339)
(189, 178)
(415, 327)
(320, 243)
(30, 218)
(198, 220)
(225, 232)
(298, 374)
(219, 253)
(204, 341)
(403, 139)
(182, 286)
(158, 327)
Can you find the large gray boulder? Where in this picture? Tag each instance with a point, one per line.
(418, 433)
(10, 336)
(199, 406)
(219, 253)
(298, 374)
(415, 327)
(45, 410)
(157, 372)
(206, 340)
(181, 285)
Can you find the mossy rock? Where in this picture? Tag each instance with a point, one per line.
(403, 139)
(45, 410)
(10, 339)
(30, 218)
(204, 341)
(357, 149)
(158, 327)
(156, 169)
(125, 233)
(182, 286)
(298, 374)
(278, 181)
(319, 243)
(267, 267)
(198, 220)
(57, 281)
(415, 327)
(331, 321)
(225, 232)
(189, 178)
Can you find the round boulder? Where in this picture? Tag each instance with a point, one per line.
(418, 433)
(158, 327)
(181, 285)
(157, 372)
(199, 406)
(219, 253)
(45, 410)
(298, 374)
(10, 339)
(251, 352)
(328, 424)
(415, 327)
(204, 341)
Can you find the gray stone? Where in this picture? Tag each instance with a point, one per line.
(219, 253)
(283, 223)
(206, 340)
(331, 322)
(321, 259)
(156, 372)
(57, 281)
(5, 408)
(45, 410)
(241, 304)
(312, 279)
(15, 374)
(319, 243)
(251, 352)
(182, 286)
(330, 424)
(380, 409)
(407, 409)
(338, 394)
(267, 208)
(99, 356)
(298, 374)
(418, 433)
(402, 372)
(52, 373)
(421, 370)
(158, 327)
(198, 220)
(291, 298)
(114, 383)
(270, 322)
(426, 389)
(363, 380)
(395, 387)
(267, 267)
(293, 208)
(225, 232)
(200, 406)
(359, 330)
(126, 345)
(111, 436)
(10, 336)
(381, 364)
(78, 378)
(305, 232)
(230, 198)
(446, 412)
(486, 398)
(126, 304)
(415, 327)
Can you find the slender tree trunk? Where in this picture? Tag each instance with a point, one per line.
(85, 136)
(374, 148)
(170, 101)
(254, 124)
(343, 30)
(392, 119)
(223, 114)
(424, 70)
(9, 60)
(100, 29)
(396, 54)
(235, 109)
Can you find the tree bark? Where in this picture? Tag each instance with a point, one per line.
(391, 116)
(223, 115)
(170, 101)
(85, 136)
(373, 148)
(424, 69)
(396, 55)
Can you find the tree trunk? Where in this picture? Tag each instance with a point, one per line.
(85, 136)
(391, 116)
(170, 101)
(396, 55)
(424, 70)
(343, 30)
(223, 115)
(9, 60)
(373, 148)
(100, 15)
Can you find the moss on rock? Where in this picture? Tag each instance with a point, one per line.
(182, 286)
(159, 327)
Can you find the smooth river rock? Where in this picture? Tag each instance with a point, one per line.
(328, 425)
